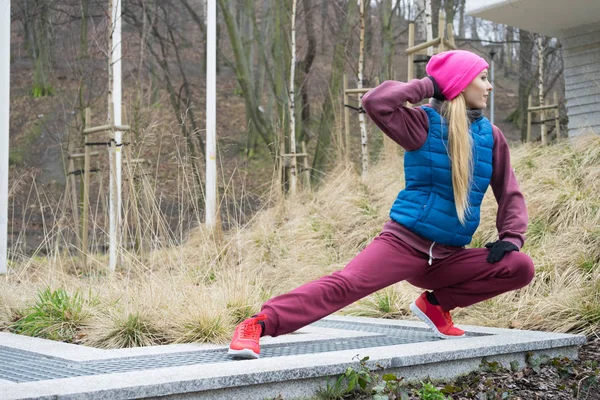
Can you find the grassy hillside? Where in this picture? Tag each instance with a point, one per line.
(199, 290)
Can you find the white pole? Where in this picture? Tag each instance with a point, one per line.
(4, 130)
(211, 113)
(115, 197)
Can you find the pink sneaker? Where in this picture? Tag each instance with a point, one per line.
(434, 316)
(245, 342)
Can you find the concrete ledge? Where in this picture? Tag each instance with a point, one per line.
(294, 376)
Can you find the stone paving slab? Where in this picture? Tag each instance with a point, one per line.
(293, 366)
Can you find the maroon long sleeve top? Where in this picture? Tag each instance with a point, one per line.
(409, 127)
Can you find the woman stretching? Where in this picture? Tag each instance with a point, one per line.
(453, 153)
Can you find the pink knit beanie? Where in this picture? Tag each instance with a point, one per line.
(454, 70)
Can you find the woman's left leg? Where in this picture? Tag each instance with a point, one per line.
(466, 278)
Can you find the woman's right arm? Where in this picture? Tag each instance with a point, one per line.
(385, 105)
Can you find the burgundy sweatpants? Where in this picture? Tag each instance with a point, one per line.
(460, 280)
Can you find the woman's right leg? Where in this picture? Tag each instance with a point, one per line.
(385, 261)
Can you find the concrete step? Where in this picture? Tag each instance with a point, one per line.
(292, 366)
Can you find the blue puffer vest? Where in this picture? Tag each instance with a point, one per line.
(426, 205)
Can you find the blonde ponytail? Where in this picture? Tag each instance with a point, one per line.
(460, 152)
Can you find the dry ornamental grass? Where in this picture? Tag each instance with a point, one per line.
(198, 290)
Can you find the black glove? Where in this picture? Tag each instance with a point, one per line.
(437, 93)
(498, 249)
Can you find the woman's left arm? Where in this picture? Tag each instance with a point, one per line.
(512, 217)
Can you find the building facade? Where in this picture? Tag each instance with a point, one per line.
(577, 24)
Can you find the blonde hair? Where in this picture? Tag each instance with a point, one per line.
(460, 153)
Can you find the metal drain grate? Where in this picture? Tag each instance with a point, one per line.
(411, 334)
(23, 366)
(420, 335)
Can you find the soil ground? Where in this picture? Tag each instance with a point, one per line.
(560, 379)
(542, 379)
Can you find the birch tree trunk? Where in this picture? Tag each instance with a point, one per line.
(294, 167)
(281, 56)
(420, 22)
(109, 92)
(361, 116)
(428, 24)
(541, 93)
(113, 200)
(508, 62)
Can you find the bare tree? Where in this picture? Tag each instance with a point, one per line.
(305, 65)
(387, 42)
(508, 50)
(345, 21)
(436, 6)
(244, 77)
(525, 81)
(162, 29)
(461, 18)
(36, 17)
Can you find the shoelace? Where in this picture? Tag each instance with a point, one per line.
(250, 330)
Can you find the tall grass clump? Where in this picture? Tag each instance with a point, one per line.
(125, 330)
(203, 327)
(56, 315)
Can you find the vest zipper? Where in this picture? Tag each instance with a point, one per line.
(431, 257)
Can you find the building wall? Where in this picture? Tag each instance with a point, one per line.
(581, 48)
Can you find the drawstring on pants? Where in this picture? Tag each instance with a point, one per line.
(431, 257)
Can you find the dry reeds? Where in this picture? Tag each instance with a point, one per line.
(192, 285)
